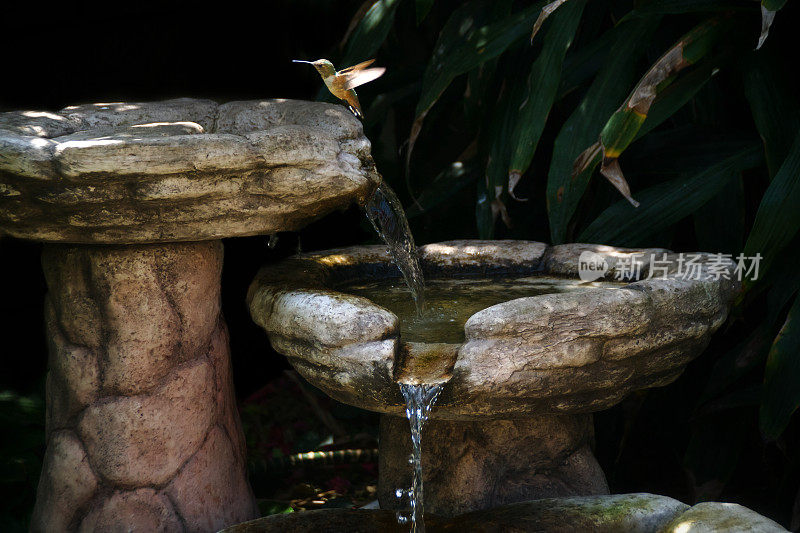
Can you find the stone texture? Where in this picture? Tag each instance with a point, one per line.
(480, 465)
(556, 353)
(634, 513)
(144, 439)
(512, 421)
(208, 493)
(140, 383)
(66, 485)
(143, 510)
(178, 170)
(714, 517)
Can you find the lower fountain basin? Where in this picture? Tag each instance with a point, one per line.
(640, 513)
(573, 351)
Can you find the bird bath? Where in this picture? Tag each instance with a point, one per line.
(132, 200)
(513, 420)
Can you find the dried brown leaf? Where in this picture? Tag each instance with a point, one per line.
(613, 173)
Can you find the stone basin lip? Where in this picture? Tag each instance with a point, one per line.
(549, 354)
(178, 170)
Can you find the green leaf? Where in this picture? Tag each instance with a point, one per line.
(720, 224)
(781, 394)
(464, 44)
(542, 85)
(778, 217)
(624, 125)
(500, 130)
(370, 33)
(584, 125)
(674, 97)
(483, 212)
(584, 62)
(446, 184)
(366, 39)
(773, 5)
(736, 363)
(423, 7)
(677, 7)
(713, 451)
(666, 203)
(774, 106)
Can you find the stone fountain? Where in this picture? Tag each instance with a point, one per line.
(513, 421)
(132, 200)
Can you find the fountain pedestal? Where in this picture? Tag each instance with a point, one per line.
(513, 419)
(481, 465)
(132, 200)
(141, 415)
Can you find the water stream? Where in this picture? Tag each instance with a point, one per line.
(419, 400)
(386, 214)
(451, 303)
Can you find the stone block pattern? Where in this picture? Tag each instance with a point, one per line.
(469, 466)
(142, 428)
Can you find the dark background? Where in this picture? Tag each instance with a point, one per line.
(74, 54)
(71, 54)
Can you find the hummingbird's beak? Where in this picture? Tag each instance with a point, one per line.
(301, 61)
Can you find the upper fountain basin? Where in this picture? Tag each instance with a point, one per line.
(569, 352)
(178, 170)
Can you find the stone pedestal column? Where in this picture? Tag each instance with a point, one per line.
(142, 428)
(469, 466)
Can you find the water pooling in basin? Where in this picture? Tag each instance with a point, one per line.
(450, 302)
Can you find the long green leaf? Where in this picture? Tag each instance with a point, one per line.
(500, 131)
(778, 217)
(720, 224)
(624, 125)
(448, 182)
(677, 7)
(366, 38)
(781, 395)
(423, 7)
(370, 33)
(542, 85)
(584, 125)
(674, 97)
(666, 203)
(775, 108)
(584, 62)
(738, 362)
(463, 45)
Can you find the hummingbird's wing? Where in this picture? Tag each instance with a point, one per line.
(351, 80)
(359, 66)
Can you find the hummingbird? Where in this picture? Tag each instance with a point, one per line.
(342, 83)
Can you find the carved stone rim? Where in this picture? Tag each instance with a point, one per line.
(178, 170)
(644, 334)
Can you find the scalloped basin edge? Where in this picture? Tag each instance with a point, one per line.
(556, 353)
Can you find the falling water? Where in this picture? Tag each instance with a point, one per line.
(419, 400)
(386, 214)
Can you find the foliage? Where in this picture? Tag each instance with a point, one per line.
(673, 91)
